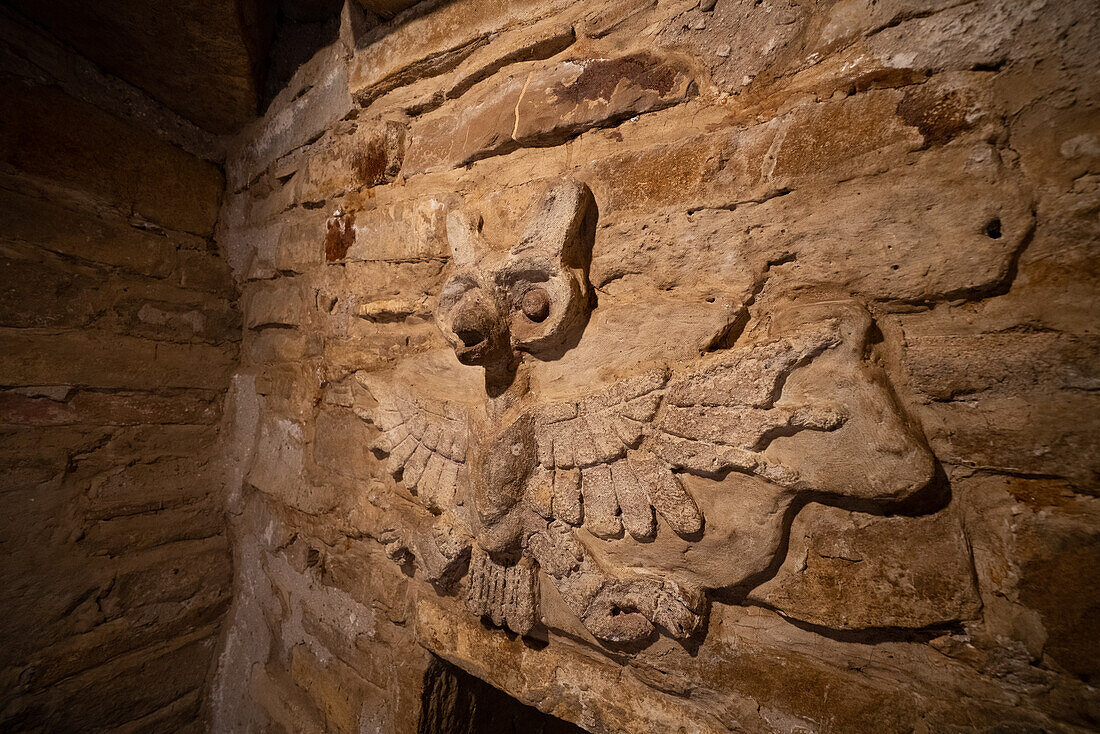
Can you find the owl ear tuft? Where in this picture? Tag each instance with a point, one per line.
(562, 225)
(464, 236)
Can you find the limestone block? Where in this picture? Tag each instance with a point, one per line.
(838, 574)
(109, 361)
(401, 230)
(1030, 433)
(544, 105)
(277, 303)
(946, 39)
(293, 119)
(739, 41)
(89, 408)
(341, 443)
(949, 366)
(429, 44)
(71, 229)
(367, 156)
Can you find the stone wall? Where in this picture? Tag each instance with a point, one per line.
(118, 335)
(916, 178)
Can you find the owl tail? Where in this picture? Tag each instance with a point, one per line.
(508, 595)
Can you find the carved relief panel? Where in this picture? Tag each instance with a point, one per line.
(630, 494)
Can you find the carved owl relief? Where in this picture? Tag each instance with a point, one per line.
(632, 497)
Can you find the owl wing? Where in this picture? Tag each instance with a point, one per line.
(424, 440)
(609, 460)
(592, 470)
(721, 417)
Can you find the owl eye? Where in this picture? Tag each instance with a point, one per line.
(535, 304)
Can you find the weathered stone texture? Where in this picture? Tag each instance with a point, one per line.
(890, 528)
(119, 331)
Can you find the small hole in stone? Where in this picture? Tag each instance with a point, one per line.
(993, 229)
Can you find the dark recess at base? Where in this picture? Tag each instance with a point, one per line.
(455, 702)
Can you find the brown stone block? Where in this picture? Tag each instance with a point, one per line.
(1052, 553)
(88, 407)
(1047, 433)
(377, 346)
(275, 303)
(431, 44)
(279, 469)
(97, 646)
(178, 667)
(118, 536)
(269, 345)
(104, 360)
(56, 137)
(368, 155)
(845, 570)
(182, 716)
(542, 40)
(363, 283)
(955, 366)
(407, 230)
(289, 389)
(658, 177)
(544, 105)
(39, 289)
(146, 487)
(739, 44)
(44, 219)
(316, 99)
(341, 443)
(837, 140)
(204, 270)
(172, 574)
(1030, 538)
(33, 456)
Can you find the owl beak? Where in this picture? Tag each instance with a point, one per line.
(475, 325)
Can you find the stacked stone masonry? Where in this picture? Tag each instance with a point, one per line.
(119, 333)
(930, 167)
(667, 365)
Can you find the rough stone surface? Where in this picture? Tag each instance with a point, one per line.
(664, 365)
(673, 366)
(120, 331)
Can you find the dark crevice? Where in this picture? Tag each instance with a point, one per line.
(300, 28)
(455, 702)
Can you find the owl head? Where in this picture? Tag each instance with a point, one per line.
(532, 299)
